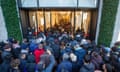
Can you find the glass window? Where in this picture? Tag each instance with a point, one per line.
(78, 20)
(58, 3)
(86, 21)
(47, 19)
(40, 21)
(62, 20)
(83, 20)
(32, 19)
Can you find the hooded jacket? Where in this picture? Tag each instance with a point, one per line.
(30, 65)
(65, 66)
(80, 53)
(87, 68)
(49, 67)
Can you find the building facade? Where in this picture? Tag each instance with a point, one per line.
(70, 15)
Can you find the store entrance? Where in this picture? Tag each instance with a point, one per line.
(63, 20)
(68, 21)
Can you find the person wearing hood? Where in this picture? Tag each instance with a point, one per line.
(30, 65)
(80, 53)
(6, 57)
(65, 65)
(88, 65)
(23, 62)
(46, 63)
(33, 45)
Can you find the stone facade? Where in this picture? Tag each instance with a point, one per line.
(116, 33)
(3, 30)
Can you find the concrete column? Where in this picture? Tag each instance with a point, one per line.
(116, 33)
(99, 20)
(3, 29)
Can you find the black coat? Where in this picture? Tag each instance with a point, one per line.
(30, 65)
(87, 68)
(5, 67)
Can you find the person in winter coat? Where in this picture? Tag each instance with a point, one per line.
(65, 65)
(80, 53)
(25, 44)
(30, 65)
(115, 63)
(47, 62)
(33, 45)
(15, 44)
(62, 48)
(56, 50)
(23, 62)
(88, 65)
(97, 60)
(38, 52)
(15, 65)
(6, 57)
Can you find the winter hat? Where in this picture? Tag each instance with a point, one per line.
(73, 57)
(66, 56)
(84, 41)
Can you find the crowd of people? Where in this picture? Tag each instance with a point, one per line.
(56, 51)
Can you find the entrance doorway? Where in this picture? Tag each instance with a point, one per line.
(66, 20)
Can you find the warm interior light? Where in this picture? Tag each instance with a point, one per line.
(42, 21)
(34, 20)
(33, 17)
(84, 16)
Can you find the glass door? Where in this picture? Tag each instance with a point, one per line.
(83, 19)
(61, 20)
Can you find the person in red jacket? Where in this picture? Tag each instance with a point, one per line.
(38, 52)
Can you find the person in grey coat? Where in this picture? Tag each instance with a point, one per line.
(88, 65)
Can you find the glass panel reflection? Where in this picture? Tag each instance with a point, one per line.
(83, 21)
(47, 19)
(40, 21)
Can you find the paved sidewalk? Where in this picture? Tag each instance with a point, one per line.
(3, 30)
